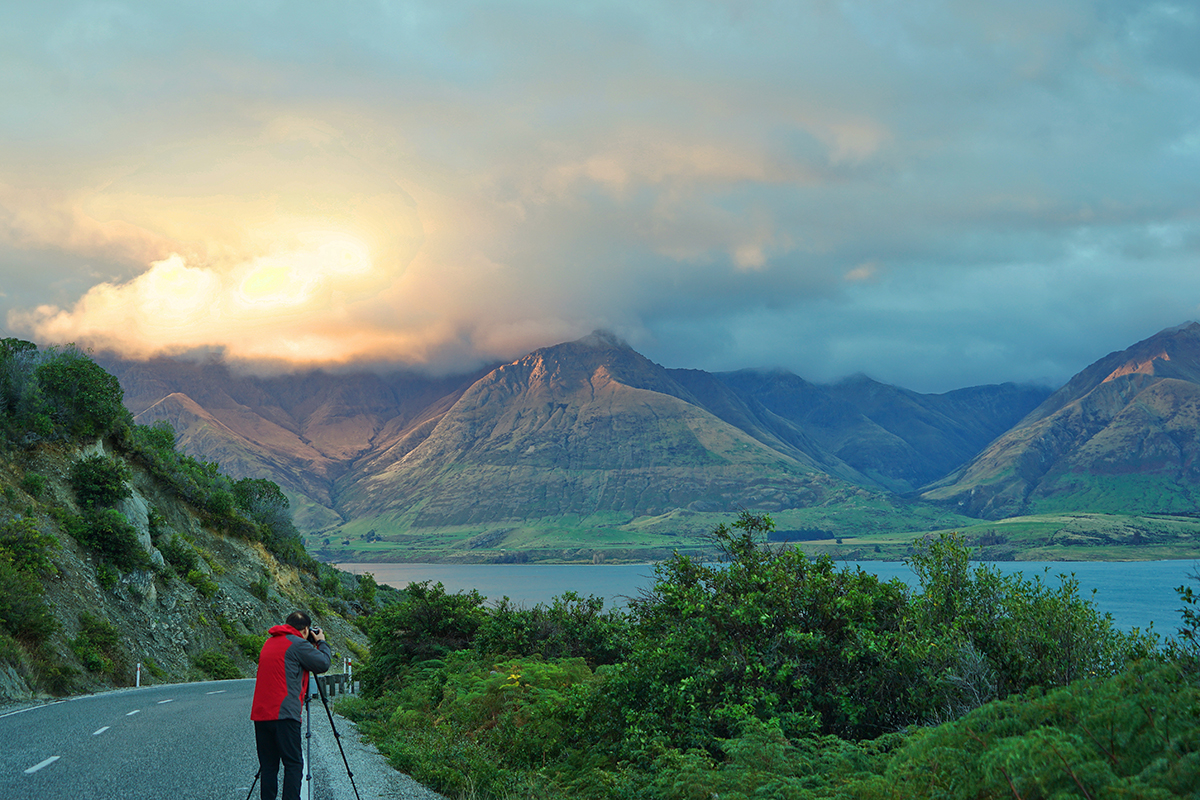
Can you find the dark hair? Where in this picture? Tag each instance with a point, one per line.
(299, 620)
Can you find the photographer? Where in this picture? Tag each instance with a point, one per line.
(280, 689)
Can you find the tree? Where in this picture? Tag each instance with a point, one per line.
(84, 399)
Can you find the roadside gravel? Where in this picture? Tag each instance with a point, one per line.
(375, 779)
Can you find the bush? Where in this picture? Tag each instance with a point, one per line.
(1031, 634)
(34, 484)
(107, 532)
(100, 480)
(106, 576)
(98, 645)
(204, 585)
(23, 612)
(217, 666)
(768, 635)
(22, 544)
(570, 627)
(428, 624)
(1135, 734)
(261, 588)
(79, 394)
(179, 554)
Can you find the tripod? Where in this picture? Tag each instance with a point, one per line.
(337, 737)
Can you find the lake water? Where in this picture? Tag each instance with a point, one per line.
(1136, 593)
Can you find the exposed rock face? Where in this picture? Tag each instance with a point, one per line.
(1132, 413)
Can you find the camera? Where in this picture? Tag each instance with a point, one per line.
(312, 634)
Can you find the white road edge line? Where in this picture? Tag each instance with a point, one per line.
(172, 700)
(31, 708)
(135, 711)
(45, 763)
(102, 730)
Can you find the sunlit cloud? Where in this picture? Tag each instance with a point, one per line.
(283, 306)
(824, 187)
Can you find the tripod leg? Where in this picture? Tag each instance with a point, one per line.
(255, 783)
(337, 737)
(308, 735)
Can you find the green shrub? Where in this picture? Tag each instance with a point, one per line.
(204, 585)
(1031, 634)
(571, 626)
(23, 612)
(769, 635)
(1188, 644)
(367, 590)
(106, 576)
(1134, 734)
(25, 546)
(261, 588)
(217, 666)
(34, 484)
(154, 669)
(79, 395)
(100, 480)
(98, 645)
(107, 532)
(179, 554)
(428, 624)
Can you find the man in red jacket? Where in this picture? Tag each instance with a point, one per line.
(280, 689)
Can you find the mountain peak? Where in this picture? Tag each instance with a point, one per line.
(1185, 327)
(603, 340)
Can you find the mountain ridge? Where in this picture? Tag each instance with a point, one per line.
(1133, 412)
(383, 445)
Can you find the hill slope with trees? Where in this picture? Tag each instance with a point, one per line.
(118, 550)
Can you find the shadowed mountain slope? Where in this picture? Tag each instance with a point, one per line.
(1122, 435)
(897, 438)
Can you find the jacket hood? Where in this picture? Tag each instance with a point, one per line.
(284, 630)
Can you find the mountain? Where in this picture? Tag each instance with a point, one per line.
(581, 428)
(1121, 436)
(301, 431)
(899, 439)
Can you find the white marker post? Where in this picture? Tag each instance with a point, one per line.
(138, 683)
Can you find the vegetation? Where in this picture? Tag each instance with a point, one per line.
(56, 405)
(97, 646)
(217, 666)
(773, 674)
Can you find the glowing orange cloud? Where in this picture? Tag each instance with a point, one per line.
(280, 305)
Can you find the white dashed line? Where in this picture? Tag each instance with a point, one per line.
(102, 730)
(172, 700)
(135, 711)
(45, 763)
(218, 691)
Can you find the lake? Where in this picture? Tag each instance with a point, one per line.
(1136, 593)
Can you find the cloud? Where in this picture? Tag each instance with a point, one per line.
(718, 182)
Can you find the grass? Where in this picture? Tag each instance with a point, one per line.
(868, 529)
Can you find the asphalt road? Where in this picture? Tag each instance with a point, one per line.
(190, 741)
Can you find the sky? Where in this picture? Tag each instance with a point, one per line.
(935, 194)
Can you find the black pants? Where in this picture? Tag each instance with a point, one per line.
(279, 740)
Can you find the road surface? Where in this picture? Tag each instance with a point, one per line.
(188, 741)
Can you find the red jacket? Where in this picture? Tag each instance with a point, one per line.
(282, 680)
